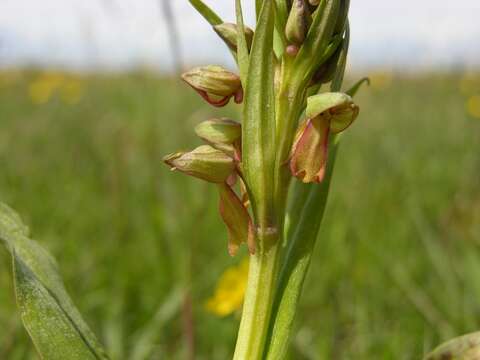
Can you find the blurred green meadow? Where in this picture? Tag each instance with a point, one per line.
(396, 268)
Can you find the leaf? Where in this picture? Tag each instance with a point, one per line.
(52, 321)
(206, 12)
(258, 134)
(242, 48)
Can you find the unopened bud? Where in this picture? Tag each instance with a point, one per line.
(314, 2)
(229, 33)
(223, 131)
(297, 23)
(237, 219)
(215, 81)
(205, 162)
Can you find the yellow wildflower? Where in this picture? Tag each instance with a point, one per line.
(473, 106)
(44, 86)
(230, 290)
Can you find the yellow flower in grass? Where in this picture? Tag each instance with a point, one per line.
(230, 291)
(72, 91)
(473, 106)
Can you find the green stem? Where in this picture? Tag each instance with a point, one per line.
(259, 296)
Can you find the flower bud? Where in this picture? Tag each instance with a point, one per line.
(314, 2)
(205, 162)
(237, 219)
(297, 22)
(215, 81)
(222, 131)
(326, 113)
(229, 32)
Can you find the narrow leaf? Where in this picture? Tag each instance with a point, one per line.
(258, 134)
(242, 47)
(206, 12)
(48, 314)
(342, 62)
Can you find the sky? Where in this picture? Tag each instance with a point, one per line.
(121, 34)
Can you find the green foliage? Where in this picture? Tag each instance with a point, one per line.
(54, 324)
(88, 179)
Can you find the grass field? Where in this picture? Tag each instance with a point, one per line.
(396, 268)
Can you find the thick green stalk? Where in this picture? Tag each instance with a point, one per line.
(259, 297)
(306, 214)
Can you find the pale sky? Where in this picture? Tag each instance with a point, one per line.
(117, 34)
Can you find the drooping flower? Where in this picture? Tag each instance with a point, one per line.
(327, 113)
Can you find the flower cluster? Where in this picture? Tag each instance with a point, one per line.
(243, 162)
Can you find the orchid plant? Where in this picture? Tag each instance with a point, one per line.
(272, 169)
(291, 68)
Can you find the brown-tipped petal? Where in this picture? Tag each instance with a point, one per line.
(237, 219)
(205, 162)
(309, 155)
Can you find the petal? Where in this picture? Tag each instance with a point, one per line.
(237, 219)
(309, 155)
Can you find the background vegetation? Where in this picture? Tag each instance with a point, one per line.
(396, 269)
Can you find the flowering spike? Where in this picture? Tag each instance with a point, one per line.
(205, 162)
(297, 22)
(229, 33)
(236, 218)
(214, 81)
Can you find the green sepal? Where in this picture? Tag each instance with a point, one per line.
(336, 107)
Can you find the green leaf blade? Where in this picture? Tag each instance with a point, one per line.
(56, 327)
(206, 12)
(258, 130)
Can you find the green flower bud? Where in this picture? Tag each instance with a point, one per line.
(236, 218)
(229, 32)
(214, 81)
(297, 22)
(327, 113)
(205, 162)
(219, 131)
